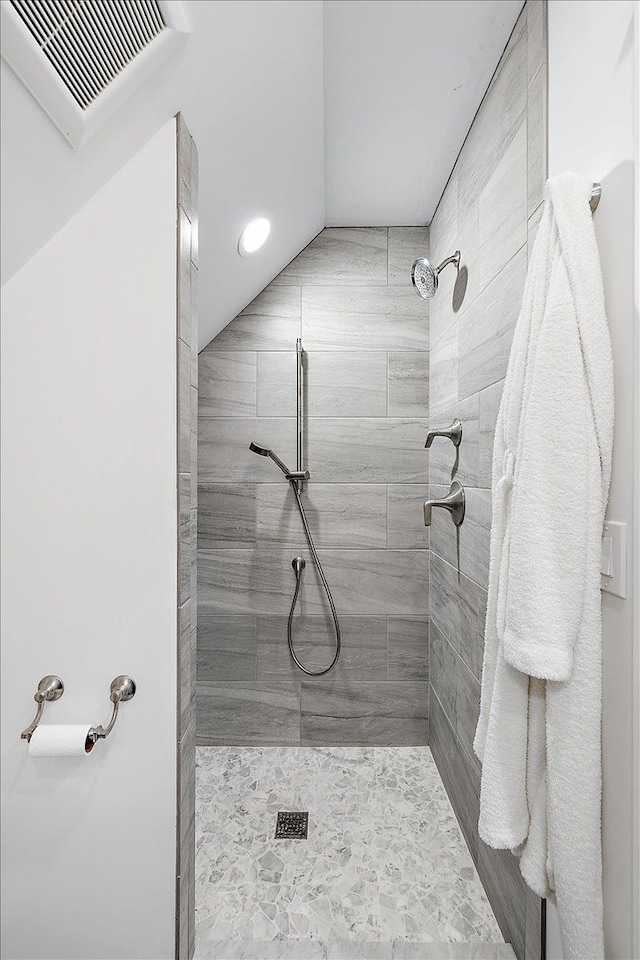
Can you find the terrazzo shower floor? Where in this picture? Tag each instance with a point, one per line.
(384, 873)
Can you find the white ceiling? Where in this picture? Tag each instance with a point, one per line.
(402, 82)
(252, 86)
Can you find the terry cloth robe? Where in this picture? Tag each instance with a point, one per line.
(538, 734)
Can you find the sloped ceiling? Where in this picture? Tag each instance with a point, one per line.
(383, 91)
(402, 82)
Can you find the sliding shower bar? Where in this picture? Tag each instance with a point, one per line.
(299, 410)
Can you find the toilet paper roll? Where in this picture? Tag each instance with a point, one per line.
(61, 740)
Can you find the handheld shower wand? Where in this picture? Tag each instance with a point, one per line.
(289, 474)
(294, 476)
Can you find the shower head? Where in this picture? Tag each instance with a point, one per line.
(263, 452)
(424, 276)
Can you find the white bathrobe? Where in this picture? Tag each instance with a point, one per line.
(538, 735)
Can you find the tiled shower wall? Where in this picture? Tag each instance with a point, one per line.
(489, 211)
(187, 437)
(365, 335)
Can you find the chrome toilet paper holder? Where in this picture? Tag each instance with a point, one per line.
(51, 688)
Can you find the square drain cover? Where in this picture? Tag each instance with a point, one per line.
(292, 825)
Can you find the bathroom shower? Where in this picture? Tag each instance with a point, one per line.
(296, 479)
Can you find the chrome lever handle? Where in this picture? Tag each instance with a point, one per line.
(454, 502)
(454, 433)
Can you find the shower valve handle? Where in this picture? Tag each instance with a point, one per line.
(454, 502)
(454, 433)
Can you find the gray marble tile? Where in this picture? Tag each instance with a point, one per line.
(406, 244)
(363, 656)
(184, 407)
(185, 172)
(457, 608)
(195, 191)
(193, 448)
(227, 384)
(536, 37)
(348, 950)
(466, 547)
(270, 322)
(227, 581)
(226, 515)
(227, 648)
(363, 582)
(370, 582)
(261, 950)
(443, 672)
(186, 683)
(408, 648)
(502, 216)
(374, 450)
(500, 874)
(460, 778)
(186, 536)
(352, 318)
(532, 229)
(536, 140)
(186, 857)
(405, 515)
(486, 329)
(367, 714)
(467, 710)
(452, 951)
(497, 120)
(340, 255)
(339, 515)
(409, 384)
(183, 291)
(534, 926)
(443, 230)
(251, 713)
(223, 449)
(443, 371)
(346, 384)
(277, 383)
(195, 299)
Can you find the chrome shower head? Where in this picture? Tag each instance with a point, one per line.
(290, 475)
(262, 451)
(424, 276)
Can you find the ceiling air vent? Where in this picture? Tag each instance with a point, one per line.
(81, 59)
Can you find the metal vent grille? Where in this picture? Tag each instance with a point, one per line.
(89, 42)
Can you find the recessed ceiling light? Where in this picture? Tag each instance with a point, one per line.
(253, 236)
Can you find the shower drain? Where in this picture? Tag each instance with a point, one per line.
(292, 825)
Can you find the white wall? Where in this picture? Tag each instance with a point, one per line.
(249, 85)
(591, 130)
(89, 572)
(402, 83)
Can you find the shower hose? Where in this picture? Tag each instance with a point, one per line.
(298, 572)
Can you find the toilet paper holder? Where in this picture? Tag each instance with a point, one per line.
(51, 688)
